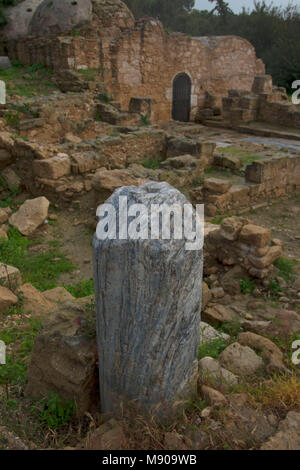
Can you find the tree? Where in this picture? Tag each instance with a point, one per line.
(168, 11)
(222, 8)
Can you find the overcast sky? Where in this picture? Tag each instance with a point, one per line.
(236, 5)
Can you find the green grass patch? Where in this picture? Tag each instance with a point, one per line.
(145, 120)
(8, 198)
(232, 328)
(251, 159)
(286, 268)
(275, 287)
(81, 289)
(28, 81)
(41, 270)
(90, 74)
(152, 163)
(105, 98)
(54, 412)
(14, 372)
(247, 286)
(246, 155)
(12, 118)
(25, 109)
(212, 349)
(218, 220)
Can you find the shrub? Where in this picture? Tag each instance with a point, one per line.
(55, 412)
(247, 286)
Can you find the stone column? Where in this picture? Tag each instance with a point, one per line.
(148, 296)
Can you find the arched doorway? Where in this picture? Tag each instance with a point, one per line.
(182, 87)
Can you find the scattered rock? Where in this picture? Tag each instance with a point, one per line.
(241, 360)
(174, 442)
(244, 423)
(9, 276)
(11, 178)
(58, 295)
(218, 314)
(282, 324)
(231, 281)
(9, 441)
(213, 397)
(217, 292)
(7, 298)
(181, 162)
(206, 412)
(109, 436)
(208, 333)
(268, 349)
(30, 216)
(210, 368)
(64, 359)
(3, 235)
(3, 216)
(34, 301)
(287, 436)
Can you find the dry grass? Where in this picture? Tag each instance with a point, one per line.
(281, 393)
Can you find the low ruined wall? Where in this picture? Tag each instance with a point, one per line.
(275, 172)
(265, 180)
(238, 242)
(283, 114)
(43, 170)
(265, 103)
(57, 53)
(126, 149)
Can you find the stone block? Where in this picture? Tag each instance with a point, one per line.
(255, 235)
(53, 168)
(217, 185)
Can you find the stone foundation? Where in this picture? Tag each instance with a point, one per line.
(264, 181)
(265, 103)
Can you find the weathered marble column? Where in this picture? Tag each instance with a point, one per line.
(148, 296)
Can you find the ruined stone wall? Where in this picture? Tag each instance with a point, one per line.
(59, 53)
(284, 114)
(265, 103)
(144, 60)
(265, 180)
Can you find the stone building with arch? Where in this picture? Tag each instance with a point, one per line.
(134, 58)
